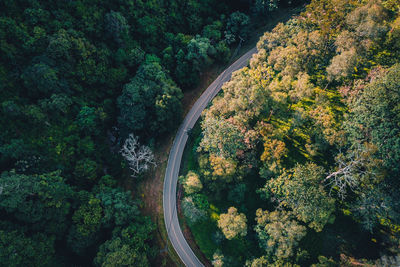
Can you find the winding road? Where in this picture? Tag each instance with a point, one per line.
(174, 231)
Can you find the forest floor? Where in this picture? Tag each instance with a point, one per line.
(150, 189)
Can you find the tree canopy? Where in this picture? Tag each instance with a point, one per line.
(78, 79)
(232, 223)
(305, 139)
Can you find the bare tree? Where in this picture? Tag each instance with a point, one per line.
(388, 261)
(353, 168)
(345, 176)
(139, 158)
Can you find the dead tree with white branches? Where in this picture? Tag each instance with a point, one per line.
(353, 169)
(140, 158)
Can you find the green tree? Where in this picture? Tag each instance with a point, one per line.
(220, 137)
(191, 182)
(376, 206)
(237, 194)
(42, 202)
(86, 170)
(128, 247)
(191, 211)
(237, 27)
(278, 233)
(17, 249)
(87, 120)
(343, 65)
(85, 230)
(302, 191)
(150, 103)
(14, 150)
(218, 259)
(184, 74)
(213, 31)
(61, 45)
(375, 118)
(88, 217)
(223, 53)
(136, 56)
(40, 79)
(198, 51)
(233, 224)
(116, 26)
(264, 6)
(58, 104)
(118, 207)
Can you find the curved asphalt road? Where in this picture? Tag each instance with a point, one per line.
(174, 161)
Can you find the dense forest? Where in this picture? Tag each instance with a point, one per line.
(296, 162)
(77, 79)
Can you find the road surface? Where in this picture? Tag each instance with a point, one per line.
(175, 234)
